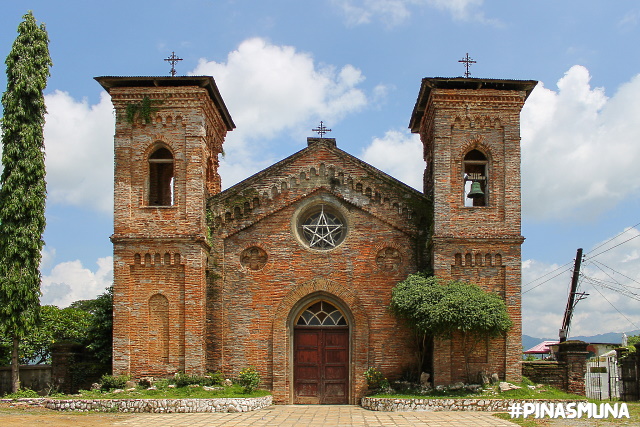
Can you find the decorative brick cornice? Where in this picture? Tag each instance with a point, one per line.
(469, 241)
(349, 179)
(179, 238)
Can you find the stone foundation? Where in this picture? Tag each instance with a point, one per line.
(160, 405)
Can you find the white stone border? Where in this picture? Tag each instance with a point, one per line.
(160, 405)
(433, 405)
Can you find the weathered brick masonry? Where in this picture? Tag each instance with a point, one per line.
(257, 308)
(208, 280)
(161, 251)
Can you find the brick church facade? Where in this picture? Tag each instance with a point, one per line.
(291, 270)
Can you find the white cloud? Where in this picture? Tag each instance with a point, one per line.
(394, 12)
(460, 9)
(579, 148)
(629, 21)
(48, 257)
(270, 90)
(390, 12)
(70, 281)
(79, 151)
(399, 154)
(604, 273)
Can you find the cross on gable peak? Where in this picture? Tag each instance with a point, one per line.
(321, 130)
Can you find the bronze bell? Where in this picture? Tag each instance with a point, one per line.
(476, 190)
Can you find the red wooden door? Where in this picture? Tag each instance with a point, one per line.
(321, 361)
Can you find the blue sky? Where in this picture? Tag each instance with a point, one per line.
(282, 66)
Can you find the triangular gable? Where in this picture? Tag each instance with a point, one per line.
(320, 165)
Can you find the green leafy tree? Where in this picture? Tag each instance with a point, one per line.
(23, 188)
(631, 340)
(435, 308)
(100, 332)
(56, 324)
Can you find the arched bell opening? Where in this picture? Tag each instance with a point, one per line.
(475, 170)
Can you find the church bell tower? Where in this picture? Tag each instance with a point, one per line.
(169, 133)
(470, 130)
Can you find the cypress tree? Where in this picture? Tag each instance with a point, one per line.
(23, 187)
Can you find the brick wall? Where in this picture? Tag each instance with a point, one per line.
(552, 373)
(567, 373)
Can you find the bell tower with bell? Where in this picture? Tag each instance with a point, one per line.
(470, 130)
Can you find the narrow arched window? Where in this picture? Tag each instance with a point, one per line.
(161, 178)
(475, 179)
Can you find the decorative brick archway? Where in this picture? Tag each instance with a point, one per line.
(290, 306)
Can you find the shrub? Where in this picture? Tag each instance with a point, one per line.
(22, 393)
(249, 378)
(182, 380)
(145, 382)
(375, 379)
(111, 382)
(216, 378)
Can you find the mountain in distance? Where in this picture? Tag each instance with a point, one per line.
(609, 337)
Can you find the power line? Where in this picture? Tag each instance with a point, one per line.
(586, 259)
(614, 307)
(545, 275)
(612, 247)
(549, 279)
(612, 282)
(617, 272)
(613, 238)
(624, 292)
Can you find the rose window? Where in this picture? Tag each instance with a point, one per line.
(322, 229)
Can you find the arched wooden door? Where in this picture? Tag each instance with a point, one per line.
(321, 356)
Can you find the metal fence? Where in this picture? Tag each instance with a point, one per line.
(630, 378)
(602, 380)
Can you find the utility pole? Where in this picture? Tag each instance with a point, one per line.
(571, 302)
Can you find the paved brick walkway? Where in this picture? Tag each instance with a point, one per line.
(318, 415)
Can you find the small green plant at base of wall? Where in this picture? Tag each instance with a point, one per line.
(21, 394)
(210, 379)
(375, 379)
(249, 379)
(112, 382)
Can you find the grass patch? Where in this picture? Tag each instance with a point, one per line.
(165, 392)
(526, 391)
(634, 416)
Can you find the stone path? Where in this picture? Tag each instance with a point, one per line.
(317, 415)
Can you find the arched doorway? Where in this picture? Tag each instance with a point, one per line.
(321, 355)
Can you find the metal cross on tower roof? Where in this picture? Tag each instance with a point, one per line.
(172, 60)
(322, 129)
(467, 62)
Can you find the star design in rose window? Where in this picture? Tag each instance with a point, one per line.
(323, 230)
